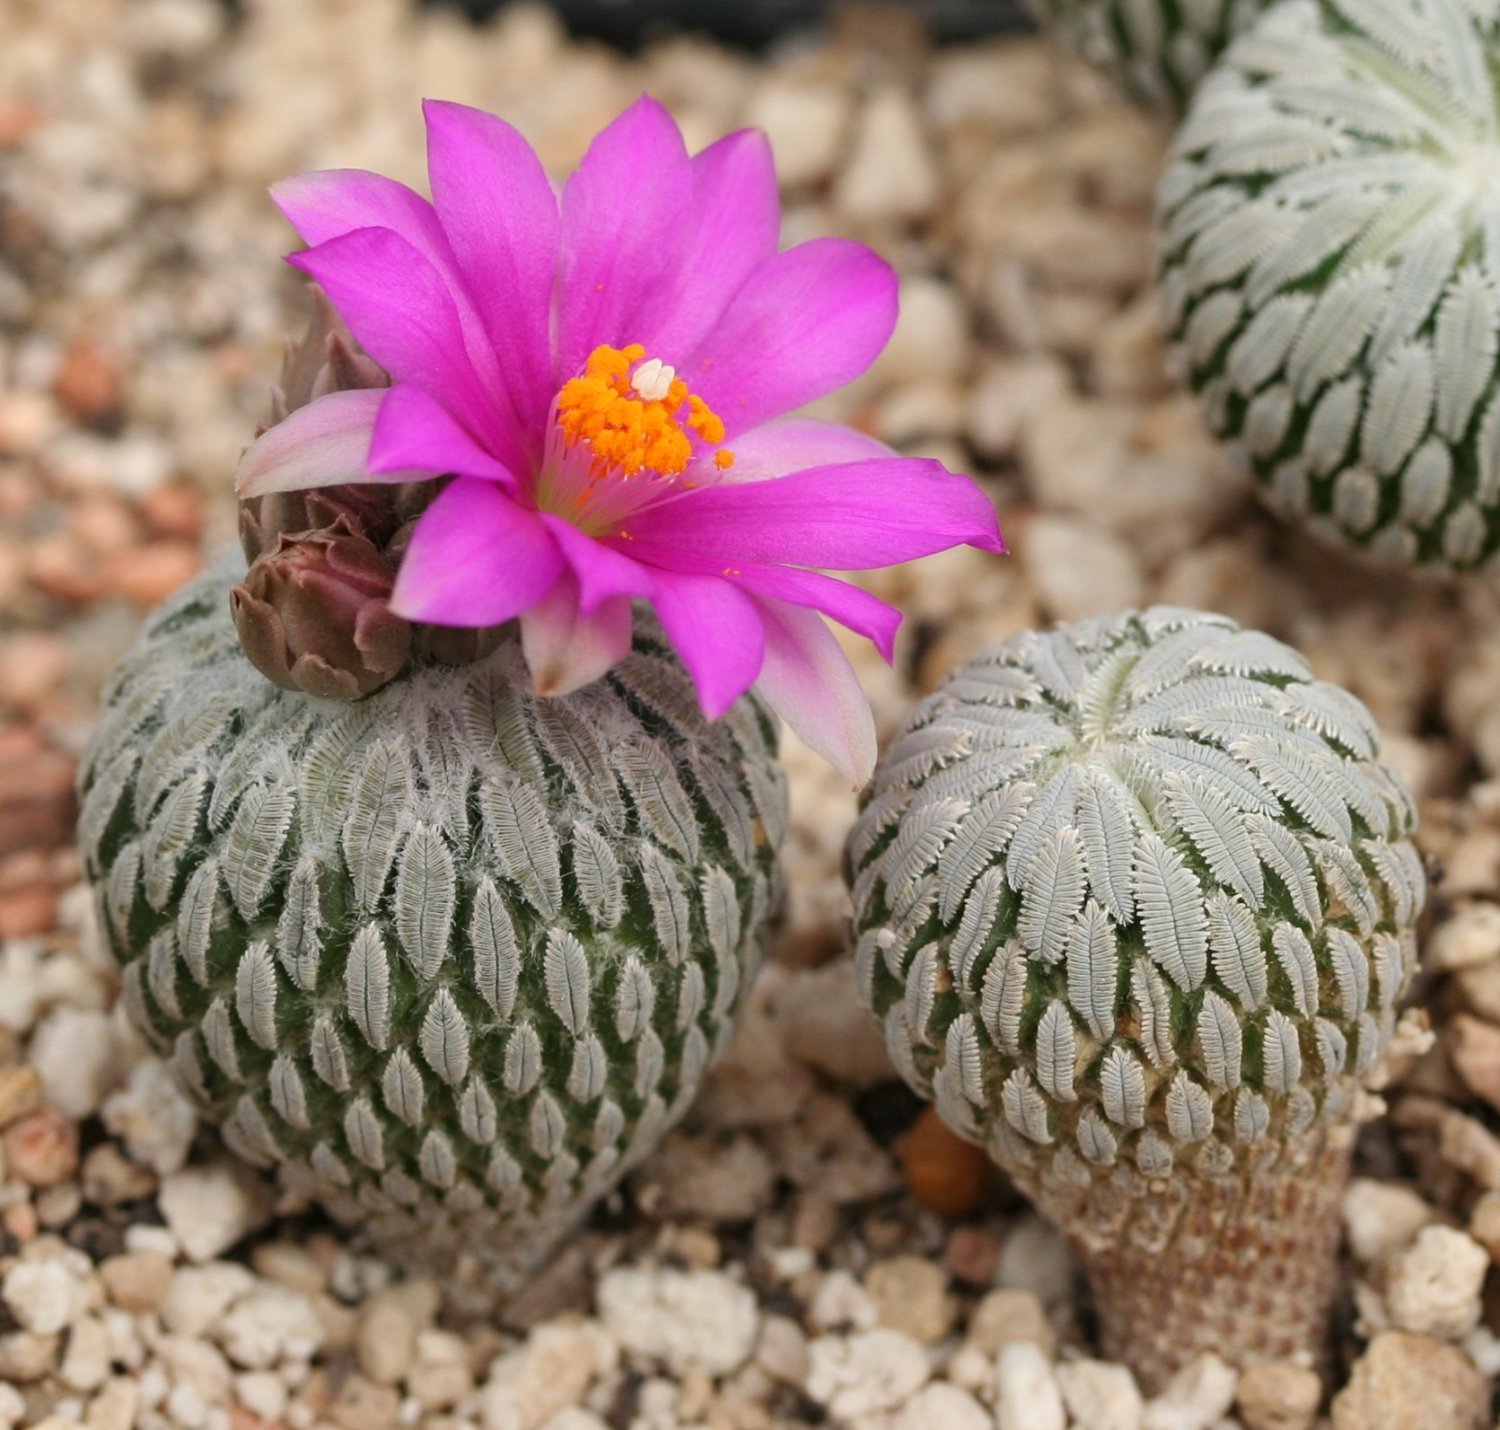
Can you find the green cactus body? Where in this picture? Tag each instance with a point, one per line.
(452, 957)
(1158, 49)
(1134, 902)
(1331, 241)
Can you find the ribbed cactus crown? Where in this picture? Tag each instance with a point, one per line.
(1136, 894)
(453, 956)
(1331, 245)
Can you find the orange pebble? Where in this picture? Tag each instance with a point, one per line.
(943, 1171)
(42, 1149)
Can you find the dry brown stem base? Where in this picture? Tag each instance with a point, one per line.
(1244, 1266)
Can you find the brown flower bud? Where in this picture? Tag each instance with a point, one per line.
(313, 616)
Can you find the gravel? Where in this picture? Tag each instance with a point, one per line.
(795, 1253)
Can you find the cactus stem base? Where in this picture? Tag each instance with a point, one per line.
(1244, 1266)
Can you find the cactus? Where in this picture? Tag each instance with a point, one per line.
(453, 957)
(1134, 902)
(1329, 240)
(1157, 49)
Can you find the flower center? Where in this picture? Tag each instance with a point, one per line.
(634, 414)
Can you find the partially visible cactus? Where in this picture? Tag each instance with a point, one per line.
(1157, 49)
(1134, 901)
(453, 956)
(1331, 241)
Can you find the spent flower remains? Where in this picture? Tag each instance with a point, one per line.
(601, 374)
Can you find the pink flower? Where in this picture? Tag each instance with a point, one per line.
(604, 376)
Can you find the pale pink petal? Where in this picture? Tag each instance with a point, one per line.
(808, 681)
(476, 558)
(324, 444)
(565, 649)
(790, 444)
(848, 517)
(332, 202)
(402, 311)
(625, 211)
(805, 322)
(733, 228)
(497, 207)
(716, 629)
(414, 430)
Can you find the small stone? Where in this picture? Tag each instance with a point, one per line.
(386, 1339)
(1026, 1392)
(688, 1320)
(362, 1405)
(289, 1265)
(932, 337)
(890, 174)
(1403, 1381)
(971, 1255)
(1007, 1316)
(781, 1350)
(1380, 1217)
(841, 1303)
(1197, 1396)
(942, 1407)
(27, 1355)
(111, 1180)
(822, 1023)
(210, 1208)
(42, 1148)
(1432, 1286)
(551, 1371)
(76, 1053)
(115, 1407)
(865, 1373)
(953, 1177)
(1036, 1257)
(44, 1296)
(152, 1117)
(1468, 939)
(20, 1093)
(88, 383)
(1277, 1395)
(910, 1294)
(200, 1295)
(1006, 396)
(267, 1326)
(806, 121)
(720, 1178)
(87, 1359)
(1100, 1395)
(1474, 1049)
(1078, 569)
(263, 1393)
(136, 1280)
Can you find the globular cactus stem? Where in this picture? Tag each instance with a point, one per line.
(1134, 902)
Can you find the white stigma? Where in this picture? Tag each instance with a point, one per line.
(652, 380)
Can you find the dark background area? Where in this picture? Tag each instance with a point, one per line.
(754, 24)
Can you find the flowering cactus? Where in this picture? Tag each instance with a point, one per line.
(1134, 902)
(1329, 237)
(454, 956)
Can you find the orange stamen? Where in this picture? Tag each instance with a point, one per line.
(630, 429)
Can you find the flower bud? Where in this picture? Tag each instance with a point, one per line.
(313, 616)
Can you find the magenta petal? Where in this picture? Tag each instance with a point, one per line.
(565, 649)
(476, 558)
(734, 226)
(602, 572)
(808, 681)
(403, 313)
(716, 629)
(497, 207)
(330, 203)
(414, 430)
(805, 322)
(791, 444)
(322, 444)
(625, 211)
(849, 517)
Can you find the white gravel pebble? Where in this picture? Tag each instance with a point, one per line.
(269, 1325)
(890, 174)
(865, 1373)
(152, 1117)
(688, 1320)
(210, 1208)
(1381, 1217)
(941, 1407)
(44, 1296)
(1026, 1392)
(1432, 1287)
(1197, 1396)
(76, 1052)
(1100, 1395)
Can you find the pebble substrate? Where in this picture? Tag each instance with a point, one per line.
(771, 1266)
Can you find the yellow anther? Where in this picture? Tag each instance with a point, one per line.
(630, 412)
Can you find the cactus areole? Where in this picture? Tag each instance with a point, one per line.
(1134, 902)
